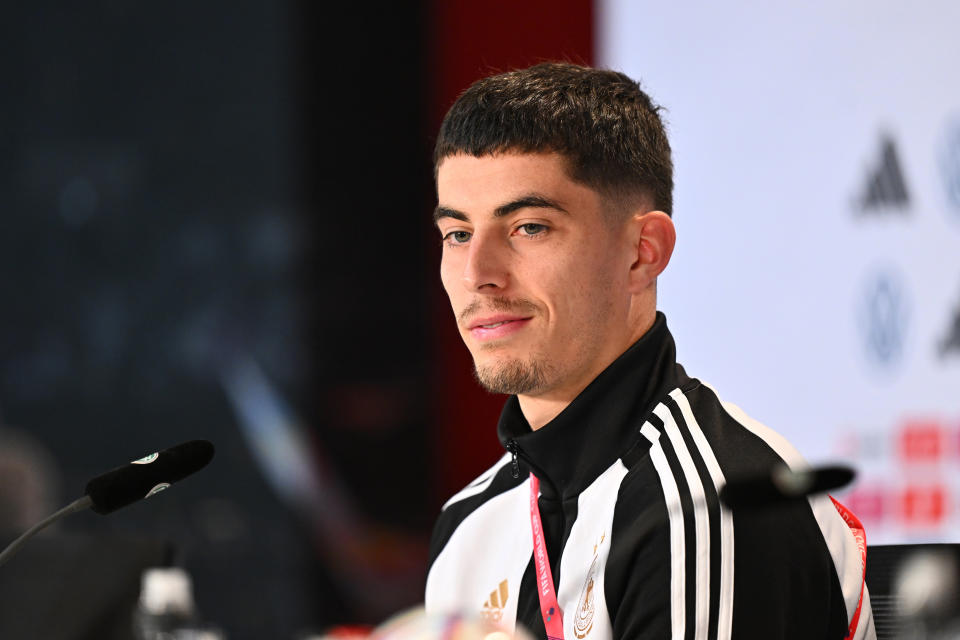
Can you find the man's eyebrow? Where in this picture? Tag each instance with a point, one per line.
(532, 200)
(446, 212)
(529, 201)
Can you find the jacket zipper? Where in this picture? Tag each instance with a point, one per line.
(514, 450)
(515, 454)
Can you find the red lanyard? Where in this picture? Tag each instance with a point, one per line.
(861, 537)
(549, 609)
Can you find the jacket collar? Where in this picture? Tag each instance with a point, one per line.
(601, 423)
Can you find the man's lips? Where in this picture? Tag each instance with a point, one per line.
(499, 326)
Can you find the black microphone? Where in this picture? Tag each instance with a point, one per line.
(149, 475)
(125, 485)
(782, 485)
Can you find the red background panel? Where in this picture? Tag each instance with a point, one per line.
(924, 506)
(922, 441)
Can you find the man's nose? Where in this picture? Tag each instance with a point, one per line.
(486, 266)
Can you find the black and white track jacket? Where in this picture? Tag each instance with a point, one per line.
(639, 545)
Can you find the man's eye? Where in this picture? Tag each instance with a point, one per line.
(457, 237)
(532, 228)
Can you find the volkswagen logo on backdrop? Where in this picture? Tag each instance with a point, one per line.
(883, 315)
(950, 163)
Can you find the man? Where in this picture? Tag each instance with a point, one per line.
(603, 520)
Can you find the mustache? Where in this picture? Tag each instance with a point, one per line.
(504, 305)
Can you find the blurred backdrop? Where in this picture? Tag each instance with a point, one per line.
(215, 223)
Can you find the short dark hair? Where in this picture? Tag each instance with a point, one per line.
(601, 121)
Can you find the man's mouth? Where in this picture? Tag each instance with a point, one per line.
(496, 327)
(493, 324)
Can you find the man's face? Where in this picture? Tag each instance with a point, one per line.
(535, 271)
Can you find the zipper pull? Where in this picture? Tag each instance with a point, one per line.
(513, 449)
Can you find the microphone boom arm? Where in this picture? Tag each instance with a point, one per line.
(77, 505)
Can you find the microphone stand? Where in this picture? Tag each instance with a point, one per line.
(77, 505)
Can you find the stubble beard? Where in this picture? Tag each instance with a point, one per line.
(512, 376)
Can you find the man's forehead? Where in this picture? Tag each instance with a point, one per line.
(510, 161)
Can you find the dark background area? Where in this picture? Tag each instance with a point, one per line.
(215, 223)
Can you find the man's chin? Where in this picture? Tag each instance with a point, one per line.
(510, 376)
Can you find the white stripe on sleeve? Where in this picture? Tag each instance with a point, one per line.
(675, 513)
(725, 614)
(701, 521)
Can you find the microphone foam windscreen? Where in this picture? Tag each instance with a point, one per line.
(782, 485)
(142, 478)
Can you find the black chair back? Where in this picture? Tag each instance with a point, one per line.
(884, 564)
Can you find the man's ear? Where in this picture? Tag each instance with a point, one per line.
(653, 237)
